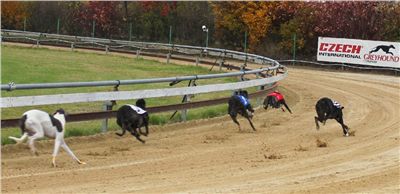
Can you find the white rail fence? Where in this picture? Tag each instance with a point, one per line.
(271, 73)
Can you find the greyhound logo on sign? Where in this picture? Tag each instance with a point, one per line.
(384, 48)
(374, 56)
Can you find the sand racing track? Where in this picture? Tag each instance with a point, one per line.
(212, 156)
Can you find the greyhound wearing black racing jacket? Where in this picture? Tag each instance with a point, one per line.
(329, 109)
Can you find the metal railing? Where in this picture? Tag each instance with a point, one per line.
(267, 75)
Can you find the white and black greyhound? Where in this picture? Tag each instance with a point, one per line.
(36, 124)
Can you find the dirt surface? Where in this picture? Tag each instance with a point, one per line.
(284, 155)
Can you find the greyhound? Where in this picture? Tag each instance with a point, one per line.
(238, 103)
(36, 124)
(131, 118)
(329, 109)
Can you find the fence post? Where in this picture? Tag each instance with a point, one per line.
(187, 99)
(58, 26)
(185, 111)
(107, 48)
(137, 53)
(294, 48)
(245, 41)
(221, 63)
(170, 35)
(259, 88)
(168, 57)
(130, 31)
(197, 61)
(37, 41)
(72, 46)
(107, 106)
(94, 27)
(25, 24)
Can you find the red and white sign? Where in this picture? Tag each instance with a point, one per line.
(366, 52)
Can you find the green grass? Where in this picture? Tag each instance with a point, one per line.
(41, 65)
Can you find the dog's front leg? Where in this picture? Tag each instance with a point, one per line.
(57, 145)
(136, 134)
(68, 150)
(251, 124)
(144, 133)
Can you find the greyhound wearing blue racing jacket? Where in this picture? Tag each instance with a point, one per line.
(239, 103)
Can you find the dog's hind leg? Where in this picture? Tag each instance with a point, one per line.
(123, 130)
(39, 133)
(31, 143)
(233, 116)
(21, 139)
(316, 122)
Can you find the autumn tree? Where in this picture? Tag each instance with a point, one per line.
(156, 19)
(104, 16)
(13, 14)
(229, 27)
(255, 18)
(239, 17)
(358, 20)
(69, 12)
(389, 29)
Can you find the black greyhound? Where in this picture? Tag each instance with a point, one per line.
(235, 106)
(329, 109)
(132, 118)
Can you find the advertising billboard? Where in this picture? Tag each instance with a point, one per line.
(355, 51)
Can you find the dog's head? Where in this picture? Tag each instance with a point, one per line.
(59, 111)
(244, 93)
(60, 115)
(141, 103)
(391, 46)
